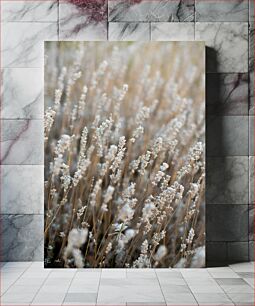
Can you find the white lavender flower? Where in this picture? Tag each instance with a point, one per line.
(133, 173)
(76, 238)
(161, 252)
(108, 194)
(95, 192)
(190, 236)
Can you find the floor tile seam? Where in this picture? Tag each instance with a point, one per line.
(225, 291)
(189, 288)
(98, 287)
(161, 290)
(15, 280)
(40, 287)
(69, 286)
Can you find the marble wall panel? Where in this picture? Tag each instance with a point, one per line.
(227, 94)
(25, 48)
(129, 31)
(32, 11)
(167, 31)
(151, 10)
(234, 10)
(227, 135)
(22, 93)
(21, 142)
(227, 180)
(22, 189)
(22, 238)
(229, 44)
(77, 23)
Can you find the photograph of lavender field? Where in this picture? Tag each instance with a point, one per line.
(124, 132)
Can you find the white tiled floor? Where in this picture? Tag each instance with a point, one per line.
(27, 283)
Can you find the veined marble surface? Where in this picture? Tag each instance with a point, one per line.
(227, 180)
(251, 177)
(129, 31)
(26, 24)
(172, 31)
(227, 136)
(238, 251)
(251, 222)
(234, 10)
(22, 93)
(231, 228)
(74, 24)
(229, 41)
(251, 10)
(151, 10)
(251, 68)
(227, 93)
(251, 135)
(22, 142)
(25, 48)
(23, 10)
(22, 189)
(22, 237)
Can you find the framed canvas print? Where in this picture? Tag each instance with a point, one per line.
(124, 133)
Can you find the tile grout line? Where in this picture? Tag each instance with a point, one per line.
(40, 288)
(107, 22)
(57, 23)
(98, 287)
(246, 282)
(69, 286)
(16, 279)
(160, 286)
(195, 12)
(189, 288)
(248, 214)
(223, 289)
(150, 28)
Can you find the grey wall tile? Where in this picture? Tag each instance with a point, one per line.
(216, 252)
(228, 43)
(25, 48)
(234, 10)
(251, 250)
(151, 10)
(22, 189)
(227, 223)
(129, 31)
(251, 46)
(76, 24)
(237, 251)
(251, 181)
(22, 142)
(251, 222)
(251, 93)
(251, 135)
(227, 135)
(22, 237)
(227, 180)
(22, 93)
(172, 31)
(23, 10)
(251, 68)
(251, 10)
(227, 94)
